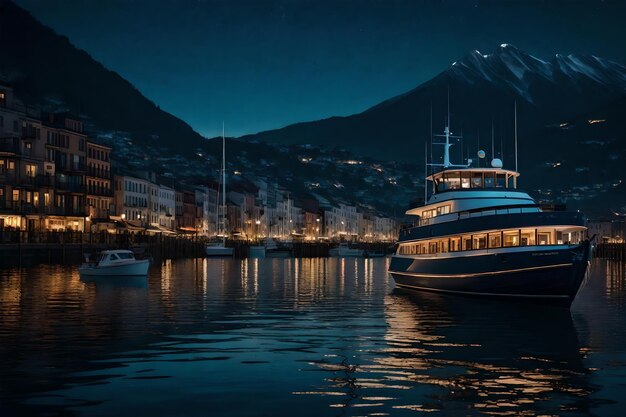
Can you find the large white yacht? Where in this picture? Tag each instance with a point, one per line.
(478, 234)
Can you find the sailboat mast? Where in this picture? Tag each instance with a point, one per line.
(223, 185)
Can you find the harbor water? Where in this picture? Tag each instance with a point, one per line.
(306, 337)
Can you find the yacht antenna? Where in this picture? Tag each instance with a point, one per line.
(516, 136)
(448, 105)
(425, 171)
(431, 131)
(493, 149)
(478, 145)
(446, 145)
(501, 148)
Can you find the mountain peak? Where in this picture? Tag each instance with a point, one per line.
(516, 70)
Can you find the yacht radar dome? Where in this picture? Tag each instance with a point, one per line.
(481, 154)
(496, 163)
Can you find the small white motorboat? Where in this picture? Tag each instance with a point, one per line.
(218, 249)
(115, 263)
(344, 251)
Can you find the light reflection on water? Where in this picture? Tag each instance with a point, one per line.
(312, 336)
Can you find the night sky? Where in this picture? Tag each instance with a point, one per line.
(263, 64)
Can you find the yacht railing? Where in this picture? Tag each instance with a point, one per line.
(478, 213)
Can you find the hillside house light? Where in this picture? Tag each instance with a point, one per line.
(258, 222)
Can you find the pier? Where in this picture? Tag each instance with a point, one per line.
(20, 248)
(611, 251)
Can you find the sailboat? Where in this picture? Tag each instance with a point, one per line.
(219, 248)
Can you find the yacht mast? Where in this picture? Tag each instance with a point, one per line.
(446, 145)
(516, 136)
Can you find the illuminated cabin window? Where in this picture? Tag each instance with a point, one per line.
(428, 214)
(511, 238)
(493, 240)
(453, 180)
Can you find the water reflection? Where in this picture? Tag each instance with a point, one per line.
(320, 336)
(117, 281)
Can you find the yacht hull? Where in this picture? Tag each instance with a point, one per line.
(550, 274)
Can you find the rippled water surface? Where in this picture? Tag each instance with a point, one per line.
(305, 337)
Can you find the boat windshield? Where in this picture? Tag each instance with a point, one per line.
(126, 256)
(468, 179)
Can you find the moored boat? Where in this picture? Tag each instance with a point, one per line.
(219, 249)
(478, 234)
(115, 263)
(344, 250)
(275, 250)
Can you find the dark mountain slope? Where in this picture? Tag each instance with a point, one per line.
(43, 65)
(481, 87)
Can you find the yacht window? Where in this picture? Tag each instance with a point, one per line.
(113, 257)
(495, 240)
(543, 238)
(455, 244)
(477, 180)
(125, 255)
(443, 246)
(454, 183)
(527, 237)
(465, 179)
(467, 242)
(500, 180)
(479, 241)
(489, 180)
(559, 237)
(511, 238)
(443, 210)
(510, 181)
(432, 247)
(442, 184)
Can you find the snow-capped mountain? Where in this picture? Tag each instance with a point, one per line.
(511, 68)
(571, 139)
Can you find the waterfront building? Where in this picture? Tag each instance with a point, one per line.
(185, 207)
(384, 229)
(99, 188)
(162, 206)
(131, 199)
(66, 147)
(608, 231)
(341, 222)
(22, 183)
(206, 211)
(246, 218)
(42, 168)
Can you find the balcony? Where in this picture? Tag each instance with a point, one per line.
(100, 191)
(72, 167)
(22, 208)
(10, 145)
(12, 179)
(99, 173)
(70, 187)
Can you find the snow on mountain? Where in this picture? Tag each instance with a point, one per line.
(513, 69)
